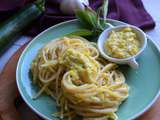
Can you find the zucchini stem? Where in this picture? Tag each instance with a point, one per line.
(40, 4)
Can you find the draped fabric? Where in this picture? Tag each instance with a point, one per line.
(129, 11)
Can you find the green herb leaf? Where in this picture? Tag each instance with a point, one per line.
(91, 19)
(92, 15)
(88, 17)
(105, 9)
(80, 32)
(99, 23)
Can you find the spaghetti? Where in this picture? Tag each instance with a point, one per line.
(70, 70)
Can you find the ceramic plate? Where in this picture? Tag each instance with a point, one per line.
(144, 82)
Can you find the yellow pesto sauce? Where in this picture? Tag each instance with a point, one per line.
(122, 44)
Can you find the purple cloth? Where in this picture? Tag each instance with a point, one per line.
(129, 11)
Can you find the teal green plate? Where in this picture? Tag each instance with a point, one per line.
(144, 82)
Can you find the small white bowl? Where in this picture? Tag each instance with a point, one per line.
(131, 61)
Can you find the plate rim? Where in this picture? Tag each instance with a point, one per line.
(65, 22)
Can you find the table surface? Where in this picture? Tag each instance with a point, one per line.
(152, 6)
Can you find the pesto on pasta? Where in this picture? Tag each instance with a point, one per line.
(72, 72)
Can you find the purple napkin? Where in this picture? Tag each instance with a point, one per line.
(129, 11)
